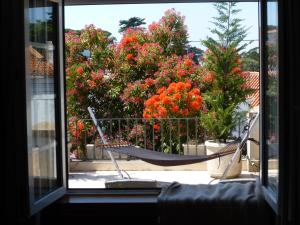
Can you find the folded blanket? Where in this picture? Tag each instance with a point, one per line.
(220, 204)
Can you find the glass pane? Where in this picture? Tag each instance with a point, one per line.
(41, 89)
(272, 93)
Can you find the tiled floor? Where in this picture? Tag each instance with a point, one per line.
(97, 179)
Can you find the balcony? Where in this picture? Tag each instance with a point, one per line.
(90, 165)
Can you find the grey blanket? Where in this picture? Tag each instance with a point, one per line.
(224, 203)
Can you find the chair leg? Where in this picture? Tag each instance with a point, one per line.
(115, 164)
(239, 149)
(231, 162)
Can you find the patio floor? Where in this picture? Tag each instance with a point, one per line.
(97, 179)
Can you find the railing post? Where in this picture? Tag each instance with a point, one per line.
(179, 135)
(153, 136)
(196, 135)
(187, 136)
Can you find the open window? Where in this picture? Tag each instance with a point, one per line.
(270, 71)
(46, 107)
(45, 102)
(122, 119)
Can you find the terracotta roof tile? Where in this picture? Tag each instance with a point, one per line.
(253, 82)
(37, 65)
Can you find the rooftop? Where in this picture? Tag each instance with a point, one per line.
(252, 81)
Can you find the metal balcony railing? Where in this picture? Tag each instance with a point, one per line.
(169, 135)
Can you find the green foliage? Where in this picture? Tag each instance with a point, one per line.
(132, 22)
(227, 26)
(218, 121)
(197, 53)
(225, 91)
(251, 60)
(40, 30)
(225, 86)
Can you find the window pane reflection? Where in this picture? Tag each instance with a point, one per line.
(272, 88)
(41, 91)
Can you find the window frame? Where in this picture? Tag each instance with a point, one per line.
(34, 206)
(269, 195)
(121, 2)
(16, 182)
(285, 204)
(128, 192)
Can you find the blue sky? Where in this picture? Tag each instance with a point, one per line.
(197, 17)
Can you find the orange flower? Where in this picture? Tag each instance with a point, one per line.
(134, 39)
(149, 102)
(80, 70)
(209, 77)
(236, 70)
(71, 92)
(188, 85)
(196, 91)
(95, 76)
(191, 94)
(180, 86)
(177, 96)
(195, 105)
(175, 109)
(171, 90)
(91, 84)
(161, 90)
(80, 125)
(169, 98)
(185, 112)
(156, 104)
(155, 97)
(156, 127)
(146, 114)
(198, 99)
(188, 62)
(166, 100)
(126, 41)
(129, 57)
(149, 82)
(162, 112)
(172, 85)
(182, 73)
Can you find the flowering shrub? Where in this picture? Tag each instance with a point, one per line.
(170, 32)
(80, 131)
(139, 55)
(177, 68)
(172, 69)
(177, 100)
(86, 81)
(147, 74)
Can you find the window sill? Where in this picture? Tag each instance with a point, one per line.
(108, 206)
(111, 197)
(111, 203)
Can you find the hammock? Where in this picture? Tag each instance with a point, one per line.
(164, 159)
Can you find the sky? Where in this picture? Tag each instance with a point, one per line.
(198, 17)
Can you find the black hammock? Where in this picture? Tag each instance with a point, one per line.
(166, 159)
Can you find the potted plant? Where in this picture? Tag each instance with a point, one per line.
(224, 92)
